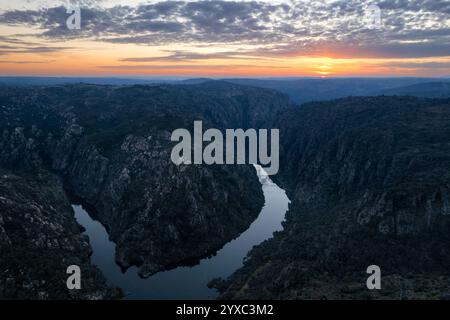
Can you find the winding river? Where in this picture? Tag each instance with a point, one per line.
(187, 282)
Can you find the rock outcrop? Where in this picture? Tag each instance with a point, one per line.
(39, 240)
(110, 147)
(369, 181)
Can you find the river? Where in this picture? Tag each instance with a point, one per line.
(187, 282)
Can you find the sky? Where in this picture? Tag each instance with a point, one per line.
(224, 38)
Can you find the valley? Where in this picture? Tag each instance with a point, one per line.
(369, 182)
(189, 280)
(116, 159)
(368, 178)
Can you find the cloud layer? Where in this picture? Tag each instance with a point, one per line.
(237, 37)
(409, 28)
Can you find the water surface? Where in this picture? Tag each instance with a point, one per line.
(187, 282)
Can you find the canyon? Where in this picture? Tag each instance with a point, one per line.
(368, 178)
(115, 158)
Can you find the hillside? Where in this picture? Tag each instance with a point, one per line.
(369, 181)
(110, 146)
(368, 178)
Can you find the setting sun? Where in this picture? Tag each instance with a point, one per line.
(145, 40)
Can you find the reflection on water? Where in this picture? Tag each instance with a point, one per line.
(187, 282)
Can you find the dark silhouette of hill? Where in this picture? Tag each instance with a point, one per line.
(369, 181)
(439, 89)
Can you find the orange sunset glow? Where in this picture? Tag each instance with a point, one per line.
(220, 39)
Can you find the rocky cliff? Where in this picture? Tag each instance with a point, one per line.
(39, 239)
(110, 147)
(369, 181)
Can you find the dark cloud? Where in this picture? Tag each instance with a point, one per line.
(419, 65)
(355, 50)
(417, 28)
(186, 67)
(192, 56)
(12, 45)
(15, 41)
(16, 50)
(403, 50)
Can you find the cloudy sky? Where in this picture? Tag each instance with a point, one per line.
(220, 38)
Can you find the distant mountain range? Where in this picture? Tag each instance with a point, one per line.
(436, 89)
(299, 90)
(39, 81)
(307, 90)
